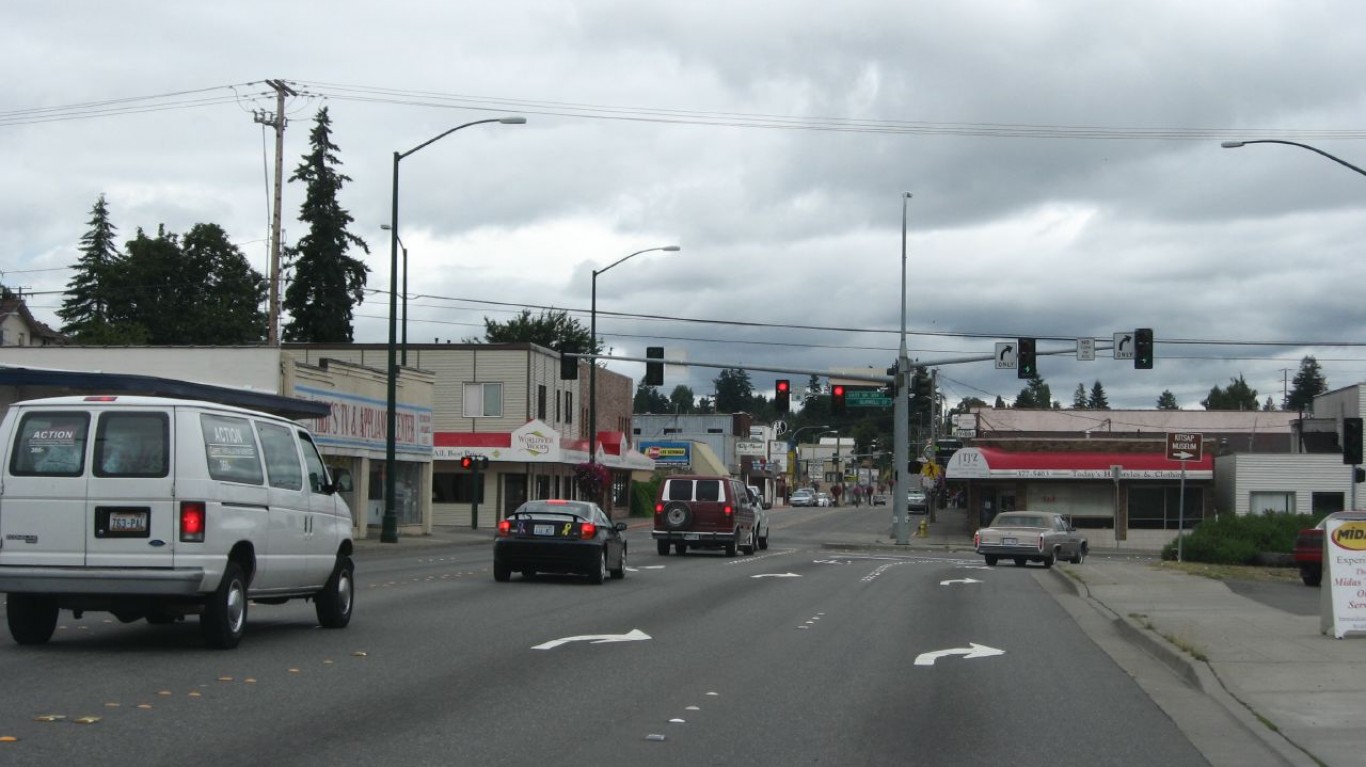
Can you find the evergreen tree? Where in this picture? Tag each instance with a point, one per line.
(1167, 401)
(1000, 403)
(1079, 397)
(814, 390)
(682, 399)
(1238, 396)
(734, 391)
(327, 283)
(648, 400)
(1270, 404)
(1307, 384)
(1036, 395)
(1097, 400)
(85, 309)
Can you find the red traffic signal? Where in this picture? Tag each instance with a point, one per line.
(783, 395)
(837, 399)
(473, 462)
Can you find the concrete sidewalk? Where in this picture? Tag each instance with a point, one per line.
(1300, 692)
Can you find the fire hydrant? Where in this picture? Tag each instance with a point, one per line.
(923, 531)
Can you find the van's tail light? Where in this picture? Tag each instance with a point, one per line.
(504, 528)
(729, 510)
(192, 519)
(659, 508)
(588, 530)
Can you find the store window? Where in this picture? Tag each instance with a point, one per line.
(407, 481)
(1274, 502)
(1159, 508)
(540, 401)
(1328, 503)
(456, 487)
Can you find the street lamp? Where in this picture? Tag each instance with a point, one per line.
(593, 342)
(403, 344)
(901, 412)
(389, 529)
(1315, 150)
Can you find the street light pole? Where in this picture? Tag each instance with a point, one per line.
(901, 411)
(403, 344)
(1315, 150)
(593, 342)
(389, 528)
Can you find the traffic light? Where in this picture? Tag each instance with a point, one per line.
(1143, 349)
(474, 462)
(782, 395)
(1025, 366)
(569, 367)
(654, 371)
(1351, 441)
(467, 462)
(837, 399)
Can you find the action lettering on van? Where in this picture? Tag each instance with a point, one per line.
(43, 437)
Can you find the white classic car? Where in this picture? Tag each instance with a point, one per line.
(1030, 536)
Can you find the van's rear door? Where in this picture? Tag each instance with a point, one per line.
(130, 511)
(42, 515)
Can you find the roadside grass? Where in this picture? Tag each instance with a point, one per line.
(1179, 642)
(1234, 572)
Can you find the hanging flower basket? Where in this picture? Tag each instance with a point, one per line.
(593, 480)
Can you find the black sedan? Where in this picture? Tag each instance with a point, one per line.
(557, 536)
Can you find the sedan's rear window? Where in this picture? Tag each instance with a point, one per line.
(50, 445)
(1005, 521)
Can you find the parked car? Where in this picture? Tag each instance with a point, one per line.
(558, 536)
(802, 497)
(1030, 536)
(157, 508)
(1308, 554)
(697, 512)
(823, 499)
(757, 496)
(879, 499)
(916, 503)
(760, 518)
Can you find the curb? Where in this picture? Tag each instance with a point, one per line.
(1198, 674)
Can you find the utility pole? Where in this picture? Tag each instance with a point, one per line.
(278, 122)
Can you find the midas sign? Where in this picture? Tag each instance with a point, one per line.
(1351, 536)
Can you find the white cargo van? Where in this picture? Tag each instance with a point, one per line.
(154, 508)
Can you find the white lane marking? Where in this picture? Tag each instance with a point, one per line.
(776, 575)
(975, 651)
(635, 635)
(959, 580)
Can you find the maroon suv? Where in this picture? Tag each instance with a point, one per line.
(695, 512)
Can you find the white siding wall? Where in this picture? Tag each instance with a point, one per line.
(1301, 474)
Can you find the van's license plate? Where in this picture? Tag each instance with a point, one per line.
(127, 521)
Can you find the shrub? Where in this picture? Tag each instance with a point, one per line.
(643, 497)
(1237, 540)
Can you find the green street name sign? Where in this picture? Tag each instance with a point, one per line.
(867, 398)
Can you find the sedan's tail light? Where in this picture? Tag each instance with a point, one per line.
(1040, 541)
(192, 519)
(588, 530)
(504, 528)
(976, 540)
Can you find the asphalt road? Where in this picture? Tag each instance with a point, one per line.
(791, 656)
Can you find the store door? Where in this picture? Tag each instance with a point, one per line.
(514, 492)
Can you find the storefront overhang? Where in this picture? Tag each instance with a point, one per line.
(994, 463)
(537, 442)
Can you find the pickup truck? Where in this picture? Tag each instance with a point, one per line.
(1309, 555)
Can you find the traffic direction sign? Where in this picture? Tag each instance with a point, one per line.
(1124, 345)
(1005, 355)
(866, 398)
(1185, 446)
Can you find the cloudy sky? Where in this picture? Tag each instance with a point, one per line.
(1063, 156)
